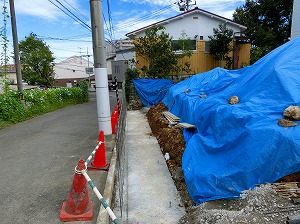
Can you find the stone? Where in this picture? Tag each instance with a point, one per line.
(292, 112)
(286, 123)
(233, 100)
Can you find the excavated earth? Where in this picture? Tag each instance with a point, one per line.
(268, 203)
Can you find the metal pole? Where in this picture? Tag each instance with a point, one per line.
(87, 52)
(100, 71)
(16, 45)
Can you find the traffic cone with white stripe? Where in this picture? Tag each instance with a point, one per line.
(99, 162)
(78, 207)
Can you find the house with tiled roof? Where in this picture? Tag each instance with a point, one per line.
(197, 24)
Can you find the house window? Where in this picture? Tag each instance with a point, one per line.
(179, 45)
(201, 38)
(117, 69)
(207, 46)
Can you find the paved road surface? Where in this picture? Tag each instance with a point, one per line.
(37, 160)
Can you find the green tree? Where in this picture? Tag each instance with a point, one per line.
(37, 61)
(220, 44)
(155, 48)
(268, 24)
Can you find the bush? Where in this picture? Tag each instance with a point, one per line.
(130, 74)
(11, 108)
(37, 102)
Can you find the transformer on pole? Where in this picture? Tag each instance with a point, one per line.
(184, 5)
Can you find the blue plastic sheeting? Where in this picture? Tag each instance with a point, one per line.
(152, 91)
(238, 146)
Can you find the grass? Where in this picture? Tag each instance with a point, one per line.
(5, 124)
(36, 102)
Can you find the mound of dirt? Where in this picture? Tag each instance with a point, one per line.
(260, 205)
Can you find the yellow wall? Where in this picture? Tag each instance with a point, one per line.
(244, 54)
(202, 61)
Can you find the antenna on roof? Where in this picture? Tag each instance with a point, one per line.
(184, 5)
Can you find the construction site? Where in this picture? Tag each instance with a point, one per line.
(231, 140)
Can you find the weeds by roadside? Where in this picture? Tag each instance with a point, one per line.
(37, 102)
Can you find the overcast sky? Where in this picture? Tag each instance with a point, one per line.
(68, 36)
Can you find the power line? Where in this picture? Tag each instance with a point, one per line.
(107, 28)
(84, 16)
(82, 22)
(64, 39)
(110, 18)
(63, 49)
(145, 18)
(70, 14)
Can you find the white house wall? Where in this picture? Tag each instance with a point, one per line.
(296, 20)
(73, 67)
(194, 24)
(128, 55)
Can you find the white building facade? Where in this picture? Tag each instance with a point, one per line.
(196, 24)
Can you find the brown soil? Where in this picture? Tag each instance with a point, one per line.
(246, 210)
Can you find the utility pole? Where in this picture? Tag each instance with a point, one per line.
(16, 45)
(88, 70)
(100, 67)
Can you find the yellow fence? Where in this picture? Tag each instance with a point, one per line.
(202, 61)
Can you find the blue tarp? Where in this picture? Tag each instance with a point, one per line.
(238, 146)
(152, 91)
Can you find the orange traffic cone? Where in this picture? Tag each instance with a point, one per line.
(117, 110)
(114, 121)
(99, 162)
(78, 207)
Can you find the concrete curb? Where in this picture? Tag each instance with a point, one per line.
(103, 217)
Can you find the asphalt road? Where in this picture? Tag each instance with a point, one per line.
(37, 160)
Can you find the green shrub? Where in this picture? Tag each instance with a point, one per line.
(11, 108)
(84, 86)
(37, 102)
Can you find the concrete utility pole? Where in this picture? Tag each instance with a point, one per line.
(100, 67)
(16, 45)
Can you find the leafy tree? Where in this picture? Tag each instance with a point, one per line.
(155, 48)
(220, 44)
(268, 24)
(37, 61)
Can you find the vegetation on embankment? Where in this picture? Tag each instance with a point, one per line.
(37, 102)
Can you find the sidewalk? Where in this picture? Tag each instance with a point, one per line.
(151, 193)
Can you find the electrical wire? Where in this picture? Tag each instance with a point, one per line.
(66, 11)
(110, 19)
(107, 29)
(84, 16)
(144, 18)
(108, 22)
(63, 39)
